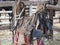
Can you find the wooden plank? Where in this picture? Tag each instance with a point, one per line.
(5, 12)
(4, 27)
(34, 2)
(53, 7)
(5, 18)
(7, 3)
(4, 23)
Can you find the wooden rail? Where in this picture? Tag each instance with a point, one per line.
(5, 18)
(4, 27)
(53, 7)
(4, 23)
(34, 2)
(5, 12)
(7, 3)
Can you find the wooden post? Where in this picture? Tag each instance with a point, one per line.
(51, 14)
(51, 18)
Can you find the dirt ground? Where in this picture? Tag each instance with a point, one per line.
(56, 36)
(6, 37)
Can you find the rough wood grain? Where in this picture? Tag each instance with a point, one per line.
(7, 3)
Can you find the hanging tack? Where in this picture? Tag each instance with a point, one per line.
(16, 38)
(26, 39)
(39, 42)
